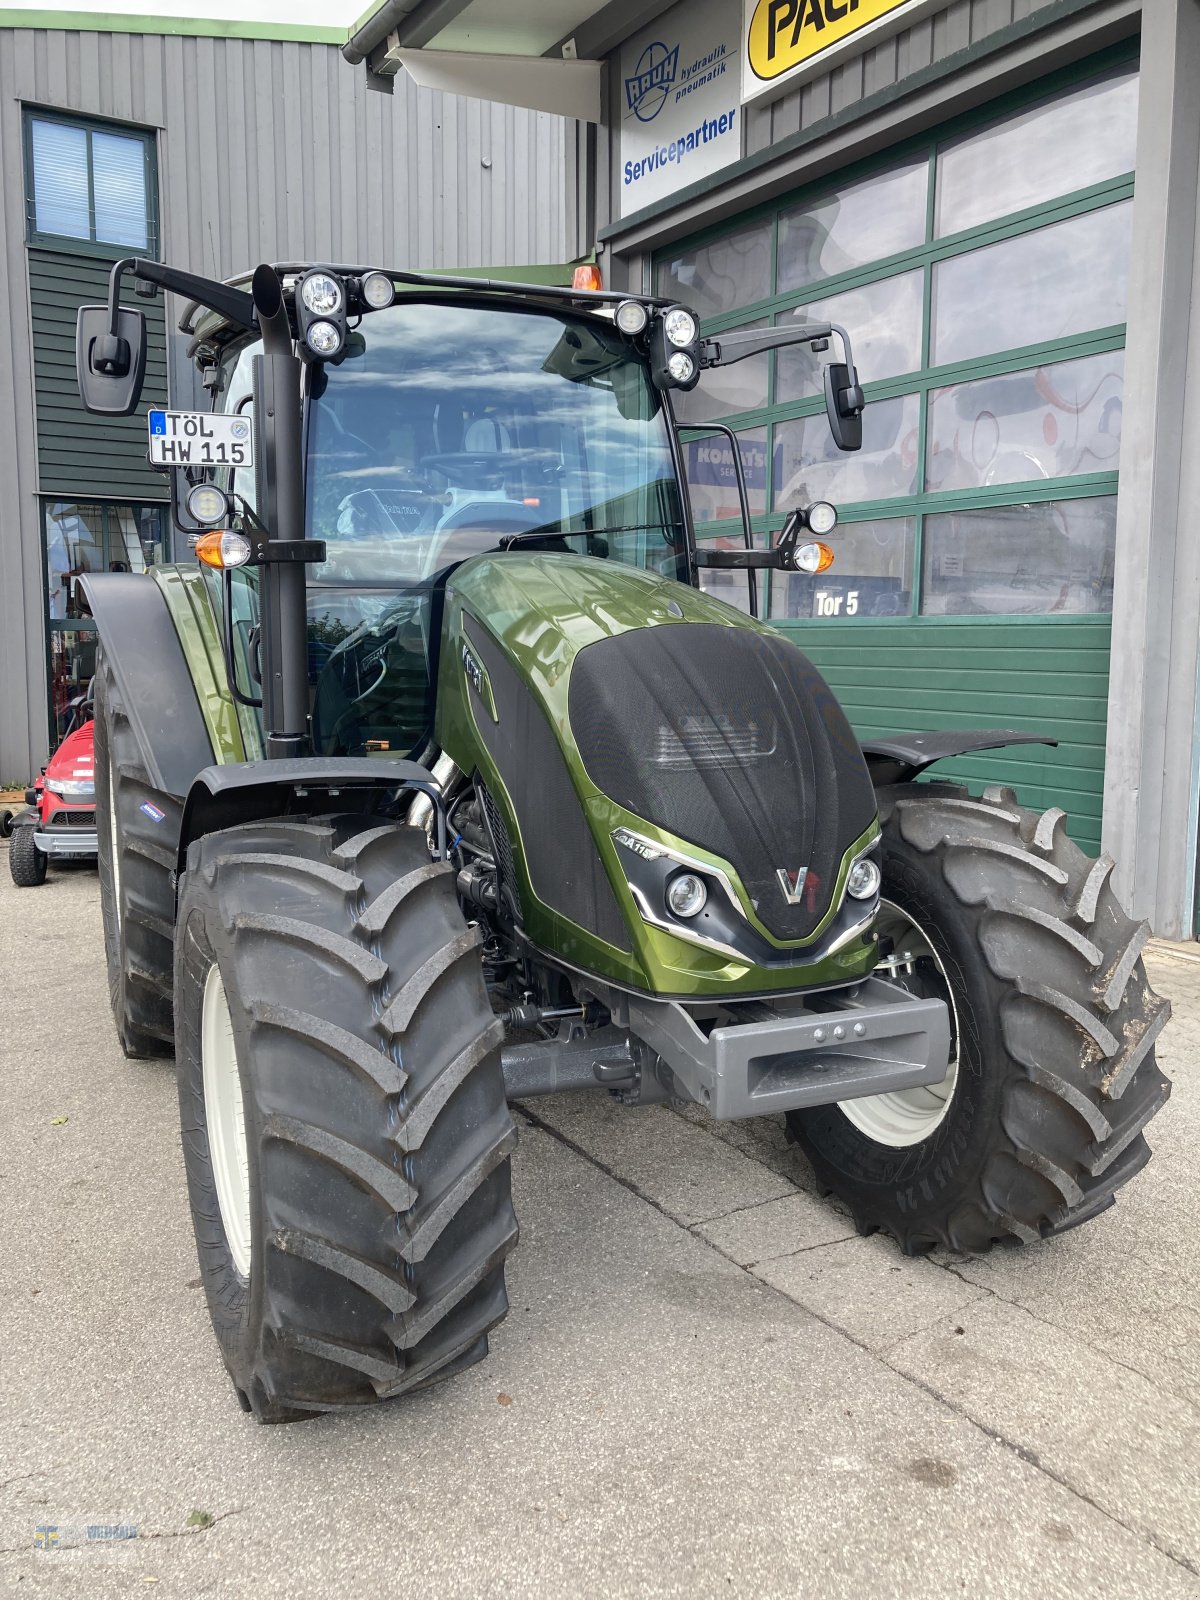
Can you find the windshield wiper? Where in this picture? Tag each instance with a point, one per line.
(507, 540)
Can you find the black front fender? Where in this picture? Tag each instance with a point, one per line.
(250, 791)
(901, 757)
(157, 692)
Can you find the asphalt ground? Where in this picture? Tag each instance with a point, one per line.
(707, 1384)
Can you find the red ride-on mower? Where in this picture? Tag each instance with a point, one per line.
(61, 821)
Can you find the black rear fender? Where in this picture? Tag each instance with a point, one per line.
(901, 757)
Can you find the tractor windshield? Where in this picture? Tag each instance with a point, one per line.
(447, 430)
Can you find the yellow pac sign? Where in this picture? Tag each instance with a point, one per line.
(783, 35)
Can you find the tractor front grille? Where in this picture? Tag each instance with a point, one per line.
(730, 739)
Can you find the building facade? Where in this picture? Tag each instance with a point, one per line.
(213, 153)
(999, 199)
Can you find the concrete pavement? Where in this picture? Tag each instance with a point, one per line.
(707, 1383)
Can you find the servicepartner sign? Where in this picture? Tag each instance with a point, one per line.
(680, 117)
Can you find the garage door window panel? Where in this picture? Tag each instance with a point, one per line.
(1049, 559)
(871, 575)
(1070, 142)
(1036, 287)
(1055, 421)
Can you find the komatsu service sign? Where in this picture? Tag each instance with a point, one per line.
(787, 41)
(680, 118)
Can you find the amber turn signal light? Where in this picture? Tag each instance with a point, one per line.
(813, 557)
(222, 549)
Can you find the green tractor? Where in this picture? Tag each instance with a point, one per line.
(438, 781)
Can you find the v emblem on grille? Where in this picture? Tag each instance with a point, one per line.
(791, 881)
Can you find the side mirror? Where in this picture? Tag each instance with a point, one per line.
(844, 405)
(110, 368)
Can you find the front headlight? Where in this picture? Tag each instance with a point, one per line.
(72, 788)
(863, 879)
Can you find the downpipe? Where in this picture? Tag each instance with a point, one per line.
(279, 443)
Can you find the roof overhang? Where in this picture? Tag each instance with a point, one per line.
(543, 54)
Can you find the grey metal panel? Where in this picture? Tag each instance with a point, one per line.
(266, 149)
(22, 632)
(1152, 761)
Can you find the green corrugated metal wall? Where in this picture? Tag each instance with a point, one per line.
(1045, 677)
(82, 456)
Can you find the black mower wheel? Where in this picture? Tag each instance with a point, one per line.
(137, 828)
(330, 1004)
(6, 824)
(25, 861)
(1053, 1076)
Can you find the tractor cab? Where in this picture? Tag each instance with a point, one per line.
(439, 425)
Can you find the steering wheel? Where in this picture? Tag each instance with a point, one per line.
(405, 508)
(469, 469)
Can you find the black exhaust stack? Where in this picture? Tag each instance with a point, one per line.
(280, 454)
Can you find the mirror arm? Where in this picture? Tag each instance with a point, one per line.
(722, 350)
(740, 560)
(233, 304)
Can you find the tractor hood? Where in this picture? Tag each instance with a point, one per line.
(626, 728)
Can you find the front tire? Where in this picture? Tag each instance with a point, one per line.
(25, 861)
(1053, 1076)
(345, 1129)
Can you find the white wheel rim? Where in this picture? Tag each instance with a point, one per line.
(907, 1116)
(112, 835)
(226, 1119)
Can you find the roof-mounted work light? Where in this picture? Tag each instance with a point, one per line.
(321, 313)
(675, 349)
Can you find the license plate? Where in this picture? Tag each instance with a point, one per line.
(200, 439)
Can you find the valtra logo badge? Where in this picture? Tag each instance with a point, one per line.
(647, 89)
(791, 881)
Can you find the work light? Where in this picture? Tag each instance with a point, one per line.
(206, 504)
(821, 517)
(378, 290)
(679, 325)
(674, 349)
(632, 317)
(321, 313)
(323, 338)
(321, 294)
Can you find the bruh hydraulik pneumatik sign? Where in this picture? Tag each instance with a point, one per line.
(680, 113)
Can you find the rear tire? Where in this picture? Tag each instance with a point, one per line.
(137, 830)
(25, 861)
(1056, 1023)
(358, 1250)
